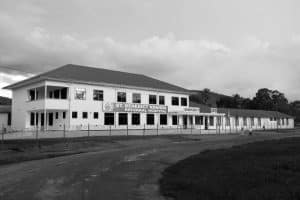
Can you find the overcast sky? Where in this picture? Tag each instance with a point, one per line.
(232, 46)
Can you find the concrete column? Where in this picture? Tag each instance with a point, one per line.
(45, 111)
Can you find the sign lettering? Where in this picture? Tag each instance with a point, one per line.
(133, 107)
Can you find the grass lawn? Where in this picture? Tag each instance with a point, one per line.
(13, 151)
(261, 170)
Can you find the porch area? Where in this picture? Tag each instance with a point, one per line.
(48, 120)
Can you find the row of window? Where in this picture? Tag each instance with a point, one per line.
(80, 94)
(34, 118)
(109, 118)
(237, 121)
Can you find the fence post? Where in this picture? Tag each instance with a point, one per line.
(191, 129)
(200, 128)
(157, 130)
(37, 137)
(144, 129)
(2, 139)
(64, 130)
(88, 129)
(127, 130)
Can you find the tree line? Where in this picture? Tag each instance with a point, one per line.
(264, 99)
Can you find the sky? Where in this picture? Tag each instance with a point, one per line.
(232, 46)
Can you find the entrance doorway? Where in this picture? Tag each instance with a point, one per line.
(184, 121)
(50, 119)
(206, 123)
(191, 121)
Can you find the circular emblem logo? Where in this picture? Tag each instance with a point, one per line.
(108, 107)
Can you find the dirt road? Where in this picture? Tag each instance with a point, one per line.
(130, 171)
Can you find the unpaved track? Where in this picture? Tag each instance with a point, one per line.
(130, 172)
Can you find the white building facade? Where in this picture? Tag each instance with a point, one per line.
(52, 102)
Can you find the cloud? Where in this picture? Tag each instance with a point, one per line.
(194, 64)
(9, 76)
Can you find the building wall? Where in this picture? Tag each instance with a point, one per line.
(110, 95)
(3, 120)
(21, 107)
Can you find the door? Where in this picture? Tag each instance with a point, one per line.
(184, 121)
(191, 120)
(42, 119)
(206, 123)
(50, 122)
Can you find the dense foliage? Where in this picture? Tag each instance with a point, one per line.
(264, 99)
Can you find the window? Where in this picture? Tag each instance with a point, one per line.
(56, 94)
(84, 115)
(96, 115)
(287, 121)
(152, 99)
(63, 94)
(56, 115)
(31, 94)
(74, 115)
(259, 121)
(199, 120)
(175, 101)
(32, 119)
(50, 119)
(283, 121)
(236, 121)
(37, 118)
(122, 118)
(98, 95)
(9, 119)
(163, 120)
(150, 119)
(136, 98)
(211, 121)
(135, 119)
(245, 121)
(174, 120)
(121, 97)
(161, 100)
(183, 101)
(64, 115)
(109, 119)
(51, 94)
(80, 94)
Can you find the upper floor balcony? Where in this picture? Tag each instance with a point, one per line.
(48, 97)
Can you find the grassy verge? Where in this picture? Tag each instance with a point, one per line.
(13, 151)
(262, 170)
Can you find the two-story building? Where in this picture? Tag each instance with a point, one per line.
(74, 97)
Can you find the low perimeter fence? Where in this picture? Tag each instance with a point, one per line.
(95, 130)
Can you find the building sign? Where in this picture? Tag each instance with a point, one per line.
(192, 109)
(133, 107)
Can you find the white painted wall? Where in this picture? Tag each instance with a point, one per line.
(3, 120)
(21, 108)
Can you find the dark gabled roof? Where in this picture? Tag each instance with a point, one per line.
(5, 108)
(5, 101)
(241, 112)
(203, 108)
(86, 74)
(252, 113)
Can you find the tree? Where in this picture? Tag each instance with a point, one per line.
(205, 95)
(263, 99)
